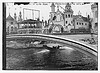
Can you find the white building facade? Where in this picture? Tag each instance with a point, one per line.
(64, 22)
(81, 22)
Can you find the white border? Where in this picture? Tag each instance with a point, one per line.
(42, 71)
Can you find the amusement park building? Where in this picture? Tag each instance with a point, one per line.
(11, 25)
(64, 22)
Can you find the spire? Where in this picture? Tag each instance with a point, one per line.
(20, 16)
(15, 17)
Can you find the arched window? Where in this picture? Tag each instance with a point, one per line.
(8, 29)
(11, 29)
(66, 22)
(69, 15)
(69, 24)
(77, 23)
(96, 24)
(66, 16)
(11, 22)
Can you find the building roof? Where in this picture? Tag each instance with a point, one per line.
(69, 10)
(75, 16)
(58, 12)
(29, 21)
(83, 18)
(10, 18)
(68, 5)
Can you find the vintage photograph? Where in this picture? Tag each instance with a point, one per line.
(50, 36)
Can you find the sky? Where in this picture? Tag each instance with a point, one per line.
(44, 10)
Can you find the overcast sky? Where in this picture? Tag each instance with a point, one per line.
(44, 10)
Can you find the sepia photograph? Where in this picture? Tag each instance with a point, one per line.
(50, 36)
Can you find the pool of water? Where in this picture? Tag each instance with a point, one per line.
(43, 59)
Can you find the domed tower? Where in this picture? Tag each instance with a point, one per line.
(52, 10)
(68, 17)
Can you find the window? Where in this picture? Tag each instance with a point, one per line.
(82, 23)
(77, 23)
(11, 28)
(66, 16)
(71, 21)
(85, 23)
(8, 29)
(11, 22)
(67, 8)
(66, 22)
(69, 15)
(69, 24)
(54, 17)
(96, 24)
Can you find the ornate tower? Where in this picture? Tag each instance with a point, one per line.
(68, 16)
(52, 10)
